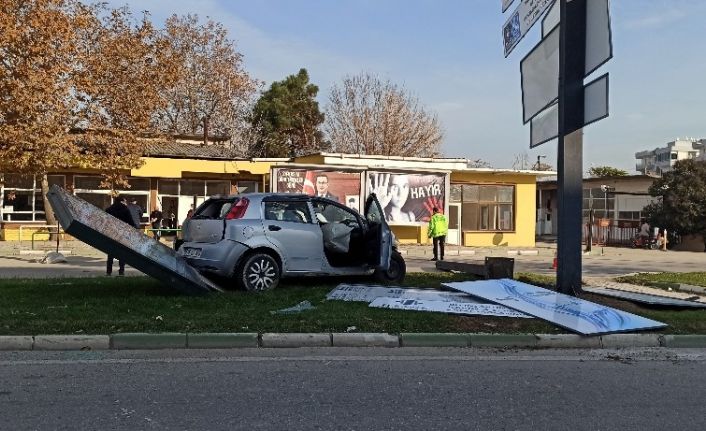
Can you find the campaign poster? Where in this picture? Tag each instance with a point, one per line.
(342, 187)
(407, 197)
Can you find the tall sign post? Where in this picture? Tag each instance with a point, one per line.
(572, 52)
(576, 41)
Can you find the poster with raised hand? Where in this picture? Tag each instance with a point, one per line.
(407, 198)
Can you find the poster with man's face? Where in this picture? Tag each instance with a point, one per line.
(333, 185)
(407, 198)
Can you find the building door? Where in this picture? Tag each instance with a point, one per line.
(454, 235)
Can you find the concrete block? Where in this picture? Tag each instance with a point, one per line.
(630, 340)
(295, 340)
(435, 340)
(451, 252)
(16, 342)
(221, 340)
(365, 340)
(686, 341)
(571, 341)
(146, 341)
(71, 342)
(503, 340)
(529, 252)
(513, 252)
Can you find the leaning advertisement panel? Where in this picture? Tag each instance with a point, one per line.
(408, 198)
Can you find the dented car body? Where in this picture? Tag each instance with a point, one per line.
(256, 239)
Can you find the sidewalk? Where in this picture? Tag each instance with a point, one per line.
(85, 261)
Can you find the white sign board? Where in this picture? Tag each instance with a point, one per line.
(595, 100)
(506, 4)
(367, 293)
(575, 314)
(540, 76)
(521, 20)
(545, 126)
(447, 307)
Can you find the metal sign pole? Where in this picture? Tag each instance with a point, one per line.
(572, 52)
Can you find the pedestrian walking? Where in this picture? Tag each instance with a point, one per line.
(119, 209)
(438, 227)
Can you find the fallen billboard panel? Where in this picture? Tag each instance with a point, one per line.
(369, 292)
(574, 314)
(401, 298)
(645, 298)
(99, 229)
(464, 308)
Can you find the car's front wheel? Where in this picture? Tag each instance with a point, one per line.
(259, 272)
(396, 272)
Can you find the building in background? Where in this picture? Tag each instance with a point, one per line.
(659, 160)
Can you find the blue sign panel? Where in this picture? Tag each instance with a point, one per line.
(574, 314)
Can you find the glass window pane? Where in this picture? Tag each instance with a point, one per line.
(168, 187)
(87, 183)
(17, 181)
(469, 216)
(471, 193)
(247, 186)
(456, 193)
(137, 185)
(453, 217)
(505, 193)
(217, 188)
(59, 180)
(484, 217)
(17, 200)
(101, 201)
(488, 194)
(192, 188)
(505, 217)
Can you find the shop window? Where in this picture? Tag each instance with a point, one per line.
(487, 207)
(168, 187)
(247, 187)
(217, 188)
(21, 196)
(456, 193)
(192, 188)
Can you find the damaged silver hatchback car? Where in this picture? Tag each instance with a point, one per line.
(256, 239)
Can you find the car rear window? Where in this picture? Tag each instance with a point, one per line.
(214, 208)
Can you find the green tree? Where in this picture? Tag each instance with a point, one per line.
(681, 199)
(287, 119)
(606, 171)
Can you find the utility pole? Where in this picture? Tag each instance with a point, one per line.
(572, 53)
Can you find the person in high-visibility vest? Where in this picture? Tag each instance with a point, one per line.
(438, 227)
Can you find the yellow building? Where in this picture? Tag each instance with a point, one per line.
(486, 207)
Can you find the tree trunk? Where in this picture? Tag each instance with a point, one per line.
(48, 211)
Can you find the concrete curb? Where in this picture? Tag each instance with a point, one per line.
(71, 342)
(221, 340)
(295, 340)
(435, 340)
(148, 341)
(365, 340)
(19, 342)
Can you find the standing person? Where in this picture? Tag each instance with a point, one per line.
(119, 209)
(644, 229)
(438, 227)
(322, 188)
(156, 221)
(136, 211)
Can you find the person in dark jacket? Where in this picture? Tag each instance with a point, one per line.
(136, 211)
(119, 210)
(156, 222)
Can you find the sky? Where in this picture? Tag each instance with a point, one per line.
(449, 54)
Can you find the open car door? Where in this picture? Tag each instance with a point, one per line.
(380, 233)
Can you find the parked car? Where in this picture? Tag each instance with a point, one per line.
(259, 238)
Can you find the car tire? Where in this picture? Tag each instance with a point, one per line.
(396, 272)
(258, 273)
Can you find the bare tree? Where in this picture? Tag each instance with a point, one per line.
(479, 163)
(521, 161)
(366, 115)
(213, 91)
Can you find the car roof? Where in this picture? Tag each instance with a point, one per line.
(265, 196)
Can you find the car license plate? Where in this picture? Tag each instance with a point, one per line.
(192, 252)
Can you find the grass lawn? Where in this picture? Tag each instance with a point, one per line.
(141, 304)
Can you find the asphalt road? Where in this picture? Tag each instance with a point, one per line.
(354, 389)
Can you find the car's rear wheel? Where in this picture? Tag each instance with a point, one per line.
(259, 272)
(396, 272)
